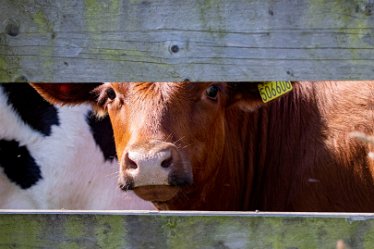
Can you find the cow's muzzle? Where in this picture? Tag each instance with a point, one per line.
(154, 170)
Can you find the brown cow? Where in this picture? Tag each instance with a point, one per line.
(215, 146)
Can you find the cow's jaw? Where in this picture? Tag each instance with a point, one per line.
(157, 193)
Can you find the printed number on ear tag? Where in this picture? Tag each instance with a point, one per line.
(273, 89)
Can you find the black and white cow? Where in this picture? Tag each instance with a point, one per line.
(54, 157)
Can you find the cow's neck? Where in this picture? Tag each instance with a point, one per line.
(287, 158)
(289, 129)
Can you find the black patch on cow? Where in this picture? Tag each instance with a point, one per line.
(31, 107)
(18, 165)
(103, 134)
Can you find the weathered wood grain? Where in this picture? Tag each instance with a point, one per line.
(238, 40)
(184, 230)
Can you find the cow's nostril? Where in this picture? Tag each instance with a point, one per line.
(130, 164)
(167, 162)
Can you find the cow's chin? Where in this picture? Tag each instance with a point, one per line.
(157, 193)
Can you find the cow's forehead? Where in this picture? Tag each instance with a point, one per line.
(160, 90)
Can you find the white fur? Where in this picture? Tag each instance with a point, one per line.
(75, 174)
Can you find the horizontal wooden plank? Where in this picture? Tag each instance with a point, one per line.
(141, 40)
(64, 229)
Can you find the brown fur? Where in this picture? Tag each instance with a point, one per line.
(294, 154)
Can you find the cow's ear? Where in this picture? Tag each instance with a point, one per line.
(244, 95)
(67, 93)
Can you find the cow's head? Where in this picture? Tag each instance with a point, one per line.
(168, 136)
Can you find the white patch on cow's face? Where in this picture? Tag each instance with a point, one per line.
(149, 170)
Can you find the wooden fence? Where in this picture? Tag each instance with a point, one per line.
(46, 229)
(199, 40)
(159, 40)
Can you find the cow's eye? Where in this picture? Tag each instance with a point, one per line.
(212, 92)
(110, 93)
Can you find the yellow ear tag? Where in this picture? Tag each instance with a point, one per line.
(273, 89)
